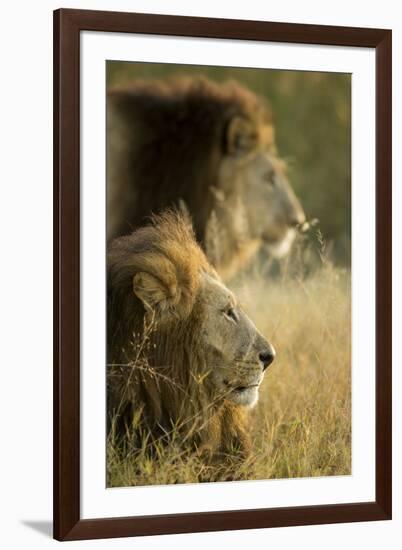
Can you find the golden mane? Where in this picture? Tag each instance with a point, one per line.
(156, 365)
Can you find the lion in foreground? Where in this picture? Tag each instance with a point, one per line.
(209, 147)
(183, 357)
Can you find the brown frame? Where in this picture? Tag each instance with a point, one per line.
(67, 26)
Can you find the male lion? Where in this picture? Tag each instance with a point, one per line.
(183, 356)
(209, 147)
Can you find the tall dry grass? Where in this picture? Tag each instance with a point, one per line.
(301, 426)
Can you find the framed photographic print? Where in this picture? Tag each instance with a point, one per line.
(222, 245)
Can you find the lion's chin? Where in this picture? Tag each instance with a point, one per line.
(280, 248)
(245, 397)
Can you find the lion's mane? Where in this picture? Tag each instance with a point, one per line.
(156, 369)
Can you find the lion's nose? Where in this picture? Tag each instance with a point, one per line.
(266, 357)
(297, 219)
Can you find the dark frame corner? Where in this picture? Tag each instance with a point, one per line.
(67, 26)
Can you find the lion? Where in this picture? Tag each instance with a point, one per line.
(208, 148)
(183, 356)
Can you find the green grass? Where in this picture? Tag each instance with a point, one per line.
(301, 426)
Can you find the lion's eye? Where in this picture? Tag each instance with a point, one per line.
(231, 313)
(269, 177)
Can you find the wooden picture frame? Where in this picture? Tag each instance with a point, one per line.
(68, 24)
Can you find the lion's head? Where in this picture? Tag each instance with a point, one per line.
(181, 350)
(254, 202)
(210, 147)
(235, 352)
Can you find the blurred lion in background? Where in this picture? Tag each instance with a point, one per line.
(208, 148)
(184, 359)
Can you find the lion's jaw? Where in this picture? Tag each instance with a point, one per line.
(246, 394)
(245, 398)
(281, 247)
(240, 382)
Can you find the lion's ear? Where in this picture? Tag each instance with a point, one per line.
(149, 289)
(154, 295)
(241, 136)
